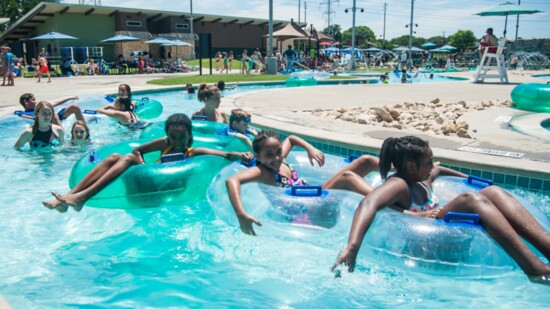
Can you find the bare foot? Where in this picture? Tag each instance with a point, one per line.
(55, 204)
(69, 200)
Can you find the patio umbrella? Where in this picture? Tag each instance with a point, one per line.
(324, 43)
(448, 47)
(176, 43)
(120, 38)
(506, 9)
(400, 48)
(372, 49)
(158, 40)
(429, 44)
(53, 36)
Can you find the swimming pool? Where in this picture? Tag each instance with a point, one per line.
(183, 256)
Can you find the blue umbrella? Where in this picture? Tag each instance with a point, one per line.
(53, 36)
(429, 44)
(506, 9)
(448, 47)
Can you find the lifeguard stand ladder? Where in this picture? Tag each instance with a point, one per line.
(486, 64)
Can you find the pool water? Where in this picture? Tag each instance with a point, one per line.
(183, 256)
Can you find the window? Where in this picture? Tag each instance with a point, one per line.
(133, 23)
(182, 26)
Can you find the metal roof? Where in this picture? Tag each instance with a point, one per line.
(26, 25)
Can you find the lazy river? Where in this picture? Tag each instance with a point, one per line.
(184, 256)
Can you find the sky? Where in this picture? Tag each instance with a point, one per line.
(434, 17)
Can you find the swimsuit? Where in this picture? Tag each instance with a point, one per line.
(44, 139)
(169, 148)
(285, 182)
(135, 124)
(431, 203)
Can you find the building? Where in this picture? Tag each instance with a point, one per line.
(92, 24)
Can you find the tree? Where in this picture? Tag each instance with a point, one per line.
(404, 41)
(334, 31)
(363, 34)
(439, 40)
(463, 39)
(15, 9)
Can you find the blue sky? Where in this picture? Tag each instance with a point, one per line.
(434, 17)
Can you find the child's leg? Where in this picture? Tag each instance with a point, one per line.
(351, 176)
(97, 179)
(496, 224)
(519, 218)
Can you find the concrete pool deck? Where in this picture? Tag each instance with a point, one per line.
(288, 111)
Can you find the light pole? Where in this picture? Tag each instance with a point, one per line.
(411, 33)
(192, 55)
(271, 61)
(352, 59)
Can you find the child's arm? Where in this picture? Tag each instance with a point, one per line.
(59, 132)
(443, 171)
(233, 185)
(24, 138)
(312, 152)
(63, 100)
(232, 155)
(156, 145)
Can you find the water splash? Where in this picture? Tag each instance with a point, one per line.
(528, 61)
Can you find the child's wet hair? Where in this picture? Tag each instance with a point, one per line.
(126, 102)
(37, 109)
(398, 150)
(83, 124)
(261, 138)
(206, 92)
(180, 119)
(238, 114)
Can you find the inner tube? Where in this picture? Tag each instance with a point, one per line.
(450, 248)
(304, 212)
(152, 184)
(532, 97)
(297, 82)
(147, 108)
(206, 129)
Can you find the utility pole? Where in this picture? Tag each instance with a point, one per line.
(305, 13)
(299, 15)
(517, 26)
(329, 12)
(411, 33)
(384, 33)
(192, 55)
(352, 59)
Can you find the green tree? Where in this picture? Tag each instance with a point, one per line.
(439, 40)
(363, 34)
(334, 31)
(15, 9)
(404, 41)
(463, 39)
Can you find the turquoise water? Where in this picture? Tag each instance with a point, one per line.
(183, 256)
(544, 76)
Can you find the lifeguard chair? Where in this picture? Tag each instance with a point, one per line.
(487, 65)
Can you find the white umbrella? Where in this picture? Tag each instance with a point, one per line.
(176, 43)
(158, 40)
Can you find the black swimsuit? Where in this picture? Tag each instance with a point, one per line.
(44, 139)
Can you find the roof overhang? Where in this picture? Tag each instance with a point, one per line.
(25, 27)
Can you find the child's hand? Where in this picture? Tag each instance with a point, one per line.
(245, 222)
(246, 157)
(316, 155)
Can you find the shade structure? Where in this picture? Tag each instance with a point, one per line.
(120, 38)
(506, 9)
(429, 44)
(372, 49)
(290, 31)
(158, 40)
(176, 43)
(53, 36)
(440, 50)
(400, 48)
(448, 47)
